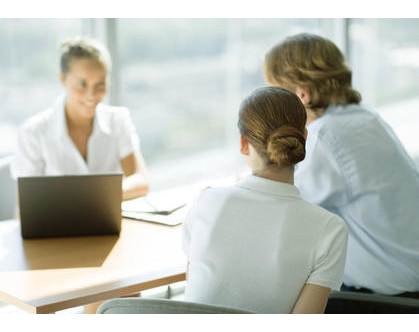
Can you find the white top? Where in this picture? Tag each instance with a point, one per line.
(356, 167)
(256, 244)
(45, 148)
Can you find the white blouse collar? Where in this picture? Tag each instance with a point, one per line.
(257, 183)
(99, 122)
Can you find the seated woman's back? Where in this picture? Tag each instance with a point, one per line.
(257, 245)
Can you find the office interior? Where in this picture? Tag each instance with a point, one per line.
(183, 81)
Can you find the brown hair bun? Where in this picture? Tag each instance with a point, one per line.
(286, 146)
(273, 120)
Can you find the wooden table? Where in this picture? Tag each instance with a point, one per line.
(47, 275)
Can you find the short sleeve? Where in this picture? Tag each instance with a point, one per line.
(128, 140)
(319, 177)
(27, 160)
(330, 255)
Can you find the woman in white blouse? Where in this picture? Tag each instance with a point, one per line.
(78, 134)
(355, 166)
(258, 245)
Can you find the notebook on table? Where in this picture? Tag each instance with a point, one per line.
(166, 207)
(170, 206)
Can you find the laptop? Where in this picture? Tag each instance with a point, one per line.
(71, 205)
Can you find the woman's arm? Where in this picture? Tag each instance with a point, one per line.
(312, 300)
(135, 183)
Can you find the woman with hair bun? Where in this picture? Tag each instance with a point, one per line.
(258, 245)
(355, 167)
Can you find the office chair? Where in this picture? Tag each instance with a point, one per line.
(8, 191)
(346, 302)
(161, 306)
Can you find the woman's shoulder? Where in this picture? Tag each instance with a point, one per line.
(219, 191)
(112, 111)
(215, 196)
(39, 121)
(323, 217)
(340, 123)
(115, 120)
(344, 117)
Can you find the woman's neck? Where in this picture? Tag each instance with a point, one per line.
(285, 174)
(312, 116)
(74, 121)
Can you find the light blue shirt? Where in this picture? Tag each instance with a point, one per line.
(356, 167)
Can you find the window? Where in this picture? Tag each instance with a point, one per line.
(183, 80)
(29, 65)
(384, 55)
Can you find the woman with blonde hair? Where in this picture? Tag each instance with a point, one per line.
(79, 134)
(258, 245)
(355, 166)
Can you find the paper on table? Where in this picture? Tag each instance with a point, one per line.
(167, 206)
(172, 219)
(164, 202)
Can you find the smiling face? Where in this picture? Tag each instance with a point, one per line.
(85, 84)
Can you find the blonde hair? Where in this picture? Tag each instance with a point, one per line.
(79, 47)
(272, 120)
(314, 63)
